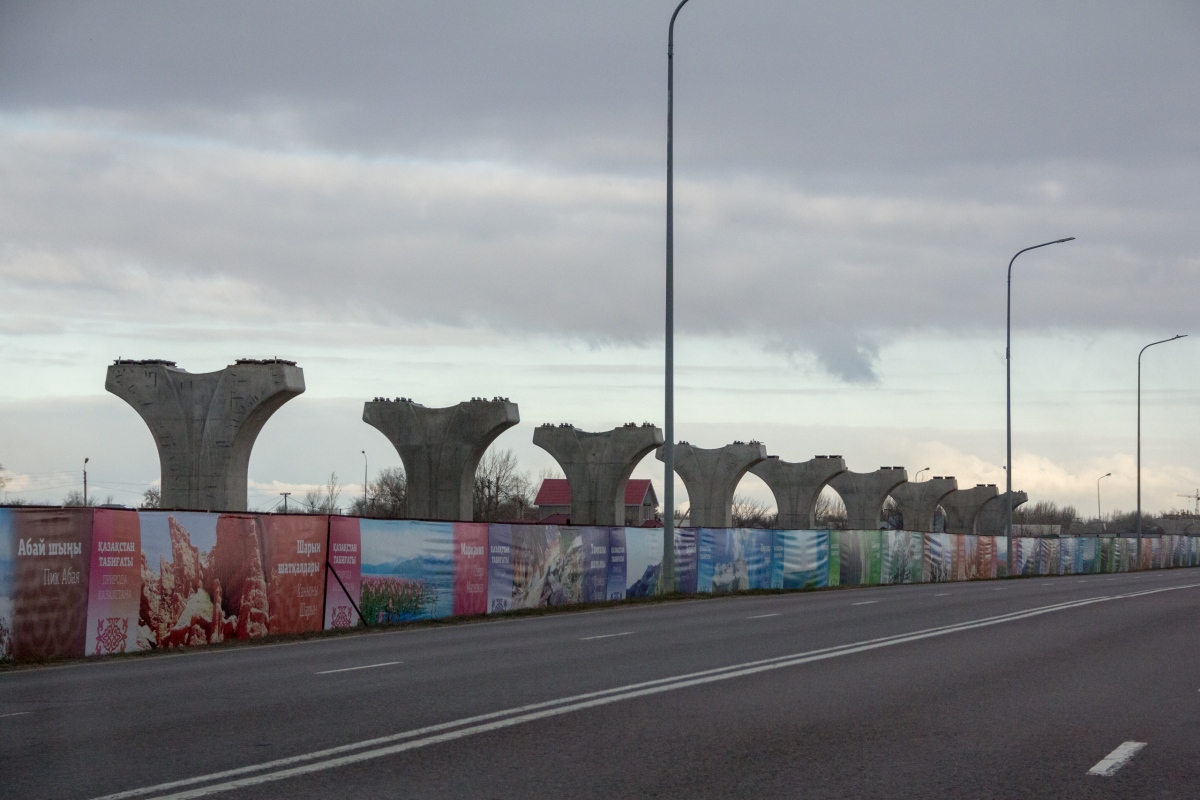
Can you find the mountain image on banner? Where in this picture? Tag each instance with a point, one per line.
(424, 567)
(645, 585)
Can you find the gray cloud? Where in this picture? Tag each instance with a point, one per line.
(846, 173)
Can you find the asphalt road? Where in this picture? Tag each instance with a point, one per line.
(990, 689)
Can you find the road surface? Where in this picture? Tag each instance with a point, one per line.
(1074, 686)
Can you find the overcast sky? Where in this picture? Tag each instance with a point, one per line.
(442, 200)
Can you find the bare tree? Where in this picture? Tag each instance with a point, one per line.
(324, 500)
(74, 498)
(502, 491)
(387, 496)
(3, 478)
(1045, 512)
(829, 512)
(749, 512)
(152, 498)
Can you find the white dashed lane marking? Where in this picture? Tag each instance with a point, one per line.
(1116, 759)
(604, 636)
(365, 666)
(762, 616)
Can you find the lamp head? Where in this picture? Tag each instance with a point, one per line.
(1068, 239)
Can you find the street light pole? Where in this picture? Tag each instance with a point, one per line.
(85, 463)
(917, 477)
(1008, 398)
(364, 452)
(667, 583)
(1099, 515)
(1139, 439)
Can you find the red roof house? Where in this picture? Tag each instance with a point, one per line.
(554, 501)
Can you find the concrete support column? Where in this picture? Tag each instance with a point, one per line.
(918, 502)
(797, 485)
(205, 424)
(864, 494)
(963, 506)
(597, 466)
(994, 513)
(441, 449)
(711, 477)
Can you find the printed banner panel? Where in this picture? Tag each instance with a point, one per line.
(210, 577)
(801, 560)
(939, 557)
(45, 561)
(547, 566)
(859, 557)
(411, 569)
(643, 561)
(687, 559)
(901, 557)
(115, 591)
(733, 559)
(343, 582)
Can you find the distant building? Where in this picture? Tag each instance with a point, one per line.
(554, 502)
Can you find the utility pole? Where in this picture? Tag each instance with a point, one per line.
(285, 497)
(667, 581)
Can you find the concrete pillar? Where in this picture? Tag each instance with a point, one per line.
(205, 424)
(994, 513)
(918, 502)
(712, 476)
(864, 494)
(597, 466)
(797, 485)
(441, 449)
(963, 506)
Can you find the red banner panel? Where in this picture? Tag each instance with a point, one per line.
(51, 555)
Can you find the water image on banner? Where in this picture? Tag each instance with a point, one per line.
(407, 570)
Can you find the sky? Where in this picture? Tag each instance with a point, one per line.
(467, 198)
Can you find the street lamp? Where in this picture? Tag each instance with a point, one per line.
(1008, 397)
(1099, 515)
(85, 463)
(364, 452)
(1139, 439)
(917, 477)
(668, 560)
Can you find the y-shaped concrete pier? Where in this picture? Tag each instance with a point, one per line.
(962, 507)
(441, 448)
(994, 514)
(597, 466)
(797, 485)
(864, 494)
(918, 502)
(711, 477)
(205, 424)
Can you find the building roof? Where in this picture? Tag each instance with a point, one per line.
(557, 492)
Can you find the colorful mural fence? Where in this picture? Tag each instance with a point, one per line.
(81, 581)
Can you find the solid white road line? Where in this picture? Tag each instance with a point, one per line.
(1116, 759)
(15, 714)
(762, 616)
(865, 603)
(342, 755)
(604, 636)
(366, 666)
